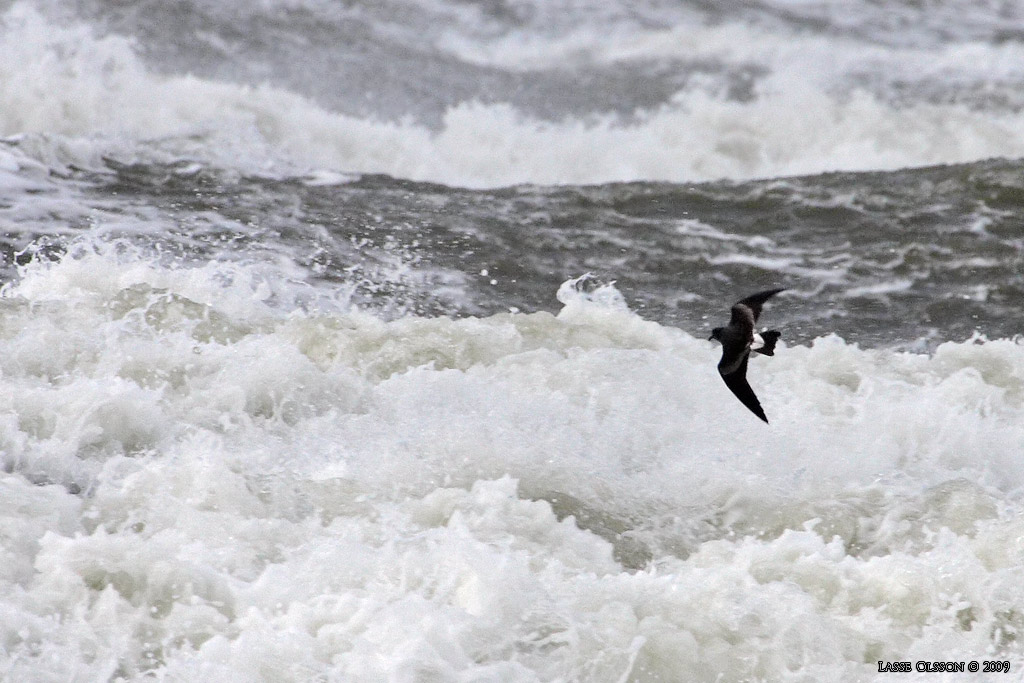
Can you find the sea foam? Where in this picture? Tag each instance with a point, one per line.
(80, 97)
(201, 482)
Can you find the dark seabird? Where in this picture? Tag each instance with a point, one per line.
(738, 340)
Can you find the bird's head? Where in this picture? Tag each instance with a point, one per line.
(716, 334)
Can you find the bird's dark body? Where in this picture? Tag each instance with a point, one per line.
(737, 339)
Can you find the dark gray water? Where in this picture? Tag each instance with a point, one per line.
(883, 259)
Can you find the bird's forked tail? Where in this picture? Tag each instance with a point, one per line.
(769, 337)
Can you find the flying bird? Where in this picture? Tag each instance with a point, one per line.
(738, 340)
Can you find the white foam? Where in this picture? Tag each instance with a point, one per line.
(272, 494)
(82, 97)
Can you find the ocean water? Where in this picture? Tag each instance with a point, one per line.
(367, 341)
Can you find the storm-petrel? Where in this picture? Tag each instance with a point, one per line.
(738, 340)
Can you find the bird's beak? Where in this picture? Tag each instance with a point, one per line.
(711, 338)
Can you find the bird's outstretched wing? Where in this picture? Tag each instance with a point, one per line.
(737, 383)
(746, 311)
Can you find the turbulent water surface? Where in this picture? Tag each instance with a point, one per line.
(366, 341)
